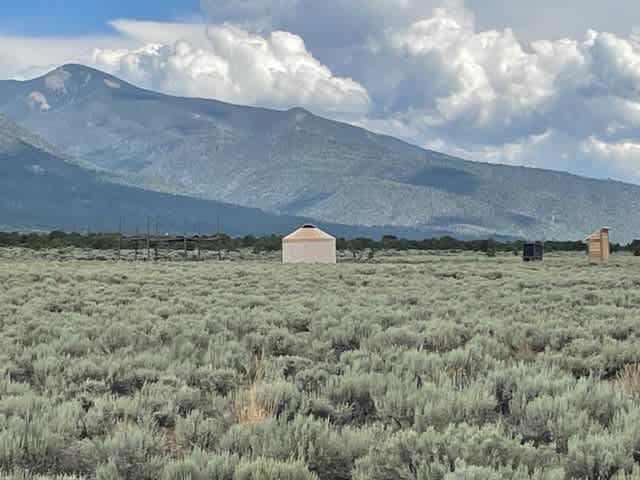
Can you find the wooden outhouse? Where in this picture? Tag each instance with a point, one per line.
(599, 245)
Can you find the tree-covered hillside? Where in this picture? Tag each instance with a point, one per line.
(296, 163)
(40, 190)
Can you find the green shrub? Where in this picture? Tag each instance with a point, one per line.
(474, 472)
(312, 380)
(324, 450)
(434, 454)
(131, 453)
(196, 430)
(79, 458)
(279, 342)
(221, 381)
(354, 393)
(124, 380)
(597, 456)
(268, 469)
(109, 471)
(289, 366)
(438, 406)
(417, 367)
(547, 420)
(626, 427)
(200, 465)
(33, 433)
(283, 396)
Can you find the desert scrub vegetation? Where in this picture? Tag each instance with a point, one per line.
(408, 367)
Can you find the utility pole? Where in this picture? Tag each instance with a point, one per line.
(136, 244)
(185, 240)
(198, 239)
(148, 241)
(218, 239)
(120, 239)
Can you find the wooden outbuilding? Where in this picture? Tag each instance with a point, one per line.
(599, 245)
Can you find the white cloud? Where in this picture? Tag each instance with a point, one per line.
(429, 71)
(488, 96)
(553, 19)
(235, 66)
(486, 80)
(164, 33)
(22, 58)
(624, 154)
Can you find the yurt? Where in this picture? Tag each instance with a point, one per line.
(309, 244)
(599, 245)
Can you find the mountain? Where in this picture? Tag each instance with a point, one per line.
(295, 163)
(40, 189)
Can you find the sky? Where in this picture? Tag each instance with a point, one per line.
(523, 82)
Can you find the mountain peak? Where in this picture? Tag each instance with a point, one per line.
(79, 69)
(74, 77)
(67, 84)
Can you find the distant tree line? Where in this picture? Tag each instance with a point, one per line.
(110, 241)
(59, 239)
(450, 243)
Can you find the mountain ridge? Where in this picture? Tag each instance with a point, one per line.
(40, 191)
(296, 163)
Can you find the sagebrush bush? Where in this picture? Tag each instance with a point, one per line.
(200, 465)
(269, 469)
(200, 431)
(409, 367)
(311, 380)
(132, 451)
(354, 393)
(594, 456)
(433, 454)
(326, 451)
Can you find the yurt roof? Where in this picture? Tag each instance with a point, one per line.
(308, 233)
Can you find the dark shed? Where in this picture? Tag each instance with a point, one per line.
(533, 251)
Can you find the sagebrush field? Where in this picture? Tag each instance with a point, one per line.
(409, 367)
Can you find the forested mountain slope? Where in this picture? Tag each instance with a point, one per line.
(41, 190)
(295, 163)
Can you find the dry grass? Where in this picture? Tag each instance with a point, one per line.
(522, 349)
(629, 378)
(173, 445)
(458, 376)
(249, 407)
